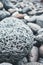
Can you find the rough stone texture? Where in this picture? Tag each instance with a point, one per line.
(16, 40)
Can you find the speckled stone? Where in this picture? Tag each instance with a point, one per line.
(16, 40)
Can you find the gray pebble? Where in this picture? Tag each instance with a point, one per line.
(34, 54)
(41, 51)
(39, 38)
(40, 20)
(4, 14)
(1, 5)
(34, 27)
(26, 9)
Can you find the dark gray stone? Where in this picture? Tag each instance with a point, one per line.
(39, 12)
(7, 4)
(41, 60)
(26, 9)
(4, 14)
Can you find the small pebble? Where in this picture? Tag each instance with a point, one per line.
(1, 6)
(18, 15)
(11, 10)
(34, 54)
(41, 50)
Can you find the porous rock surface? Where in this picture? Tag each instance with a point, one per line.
(16, 40)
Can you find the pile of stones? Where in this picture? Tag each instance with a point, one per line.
(21, 32)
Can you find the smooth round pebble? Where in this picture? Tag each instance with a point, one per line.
(41, 50)
(1, 6)
(34, 27)
(34, 54)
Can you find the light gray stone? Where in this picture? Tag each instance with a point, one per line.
(34, 27)
(34, 54)
(16, 40)
(5, 63)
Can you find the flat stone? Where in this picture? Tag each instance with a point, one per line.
(18, 15)
(30, 19)
(34, 27)
(11, 10)
(39, 12)
(31, 13)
